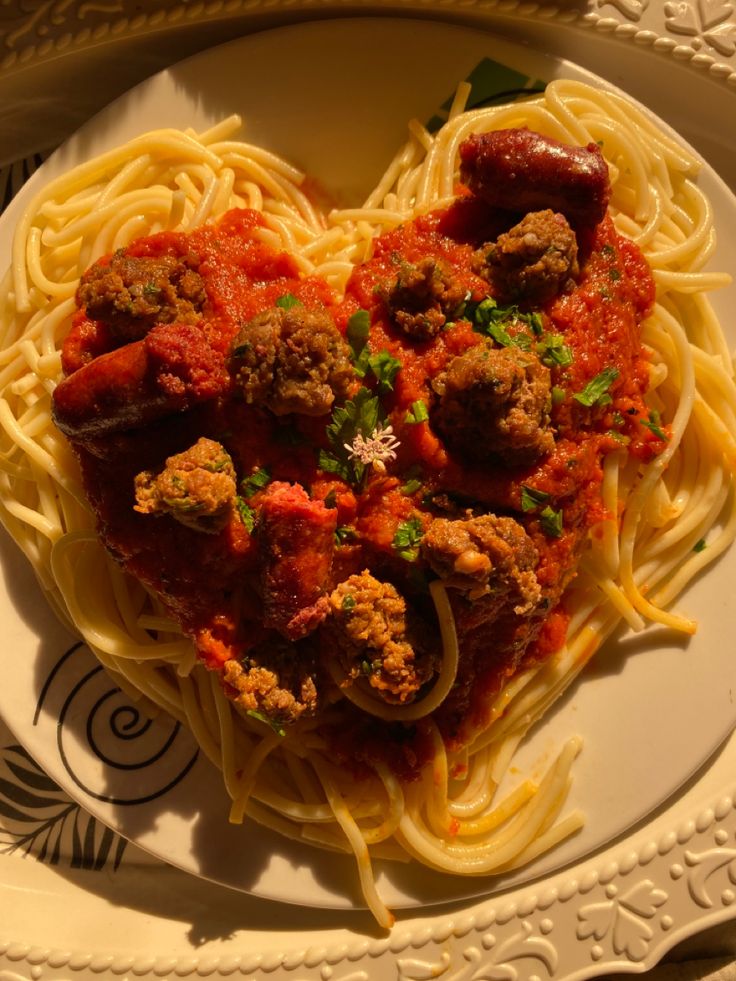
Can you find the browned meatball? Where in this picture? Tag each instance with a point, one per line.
(131, 294)
(424, 296)
(292, 360)
(532, 262)
(197, 487)
(494, 405)
(276, 680)
(484, 555)
(369, 623)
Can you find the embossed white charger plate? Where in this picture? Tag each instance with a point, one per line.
(651, 709)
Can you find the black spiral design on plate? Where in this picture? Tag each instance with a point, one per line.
(96, 723)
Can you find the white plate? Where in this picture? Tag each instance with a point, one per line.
(651, 710)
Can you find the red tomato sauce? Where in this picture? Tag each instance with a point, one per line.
(209, 581)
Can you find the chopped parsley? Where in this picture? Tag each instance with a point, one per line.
(287, 301)
(411, 486)
(385, 367)
(344, 533)
(246, 512)
(653, 425)
(558, 395)
(358, 328)
(255, 482)
(407, 538)
(277, 728)
(348, 601)
(551, 522)
(553, 352)
(699, 545)
(418, 412)
(488, 318)
(596, 391)
(532, 498)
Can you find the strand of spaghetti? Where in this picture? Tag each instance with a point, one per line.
(164, 142)
(106, 637)
(267, 161)
(196, 723)
(353, 834)
(555, 677)
(222, 130)
(36, 453)
(401, 161)
(550, 838)
(699, 560)
(247, 779)
(651, 475)
(435, 796)
(619, 601)
(506, 843)
(228, 762)
(686, 282)
(395, 796)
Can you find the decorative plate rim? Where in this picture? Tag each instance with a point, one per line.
(174, 14)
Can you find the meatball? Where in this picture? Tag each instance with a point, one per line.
(197, 487)
(532, 262)
(493, 404)
(484, 555)
(369, 623)
(291, 360)
(424, 296)
(131, 294)
(276, 680)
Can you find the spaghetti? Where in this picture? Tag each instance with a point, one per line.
(663, 502)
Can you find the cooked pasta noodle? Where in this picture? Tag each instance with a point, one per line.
(638, 559)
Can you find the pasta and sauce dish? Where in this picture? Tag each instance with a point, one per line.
(356, 494)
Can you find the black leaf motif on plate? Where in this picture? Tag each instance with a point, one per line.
(37, 818)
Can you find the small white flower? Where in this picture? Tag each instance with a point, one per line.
(376, 449)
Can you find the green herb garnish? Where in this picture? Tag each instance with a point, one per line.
(418, 412)
(553, 352)
(407, 538)
(551, 522)
(385, 367)
(359, 416)
(488, 318)
(653, 425)
(277, 727)
(411, 487)
(255, 482)
(344, 533)
(596, 391)
(532, 498)
(357, 332)
(287, 301)
(246, 512)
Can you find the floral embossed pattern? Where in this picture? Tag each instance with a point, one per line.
(703, 31)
